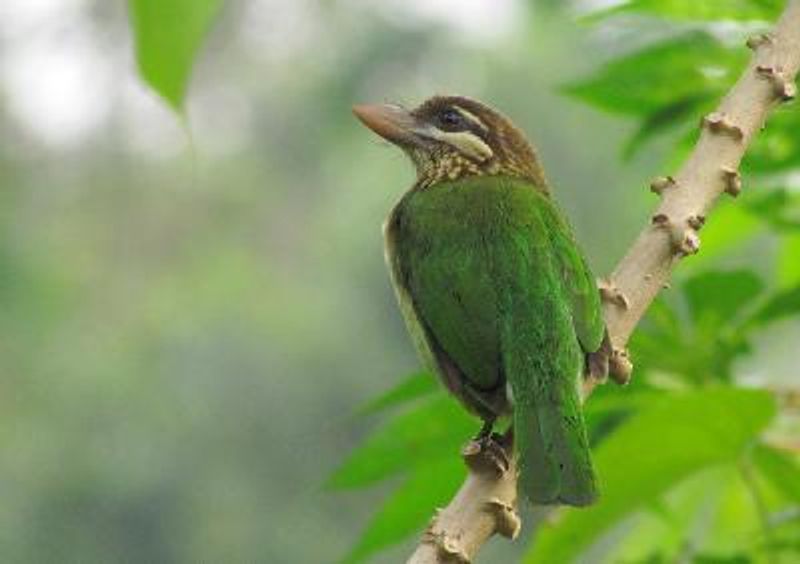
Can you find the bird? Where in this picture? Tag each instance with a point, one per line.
(496, 294)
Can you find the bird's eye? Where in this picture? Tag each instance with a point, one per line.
(450, 118)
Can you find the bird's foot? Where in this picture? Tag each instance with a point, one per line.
(486, 430)
(596, 369)
(596, 363)
(487, 451)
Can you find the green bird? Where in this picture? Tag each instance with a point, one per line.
(498, 298)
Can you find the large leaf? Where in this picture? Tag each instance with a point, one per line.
(730, 228)
(168, 34)
(780, 469)
(413, 387)
(779, 208)
(666, 526)
(710, 338)
(435, 429)
(721, 294)
(610, 407)
(411, 505)
(672, 78)
(712, 10)
(781, 305)
(653, 451)
(788, 265)
(777, 148)
(659, 333)
(674, 116)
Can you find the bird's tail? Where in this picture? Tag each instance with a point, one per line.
(549, 431)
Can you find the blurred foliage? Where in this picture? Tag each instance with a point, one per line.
(664, 85)
(686, 420)
(185, 335)
(690, 10)
(423, 434)
(660, 77)
(694, 430)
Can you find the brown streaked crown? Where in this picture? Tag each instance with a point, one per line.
(451, 137)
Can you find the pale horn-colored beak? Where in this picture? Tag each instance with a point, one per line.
(391, 122)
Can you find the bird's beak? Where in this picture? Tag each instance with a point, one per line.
(391, 122)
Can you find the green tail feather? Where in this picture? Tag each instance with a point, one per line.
(555, 467)
(549, 430)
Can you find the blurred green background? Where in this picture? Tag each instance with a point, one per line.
(192, 308)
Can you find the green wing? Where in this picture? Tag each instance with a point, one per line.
(447, 295)
(579, 285)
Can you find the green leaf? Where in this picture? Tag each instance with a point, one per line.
(692, 10)
(789, 266)
(710, 338)
(414, 387)
(671, 78)
(780, 469)
(666, 524)
(168, 34)
(779, 208)
(738, 558)
(435, 429)
(721, 295)
(609, 408)
(676, 115)
(653, 451)
(781, 305)
(731, 227)
(659, 333)
(411, 505)
(615, 400)
(777, 148)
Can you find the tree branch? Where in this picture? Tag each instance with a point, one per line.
(485, 504)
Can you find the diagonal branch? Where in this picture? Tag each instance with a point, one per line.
(485, 504)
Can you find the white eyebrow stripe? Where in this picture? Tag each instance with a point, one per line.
(471, 117)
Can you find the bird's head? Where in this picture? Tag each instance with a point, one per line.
(450, 137)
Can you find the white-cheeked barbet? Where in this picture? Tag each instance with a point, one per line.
(497, 296)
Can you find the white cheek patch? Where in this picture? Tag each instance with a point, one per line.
(465, 141)
(469, 144)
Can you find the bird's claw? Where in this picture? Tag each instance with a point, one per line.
(487, 452)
